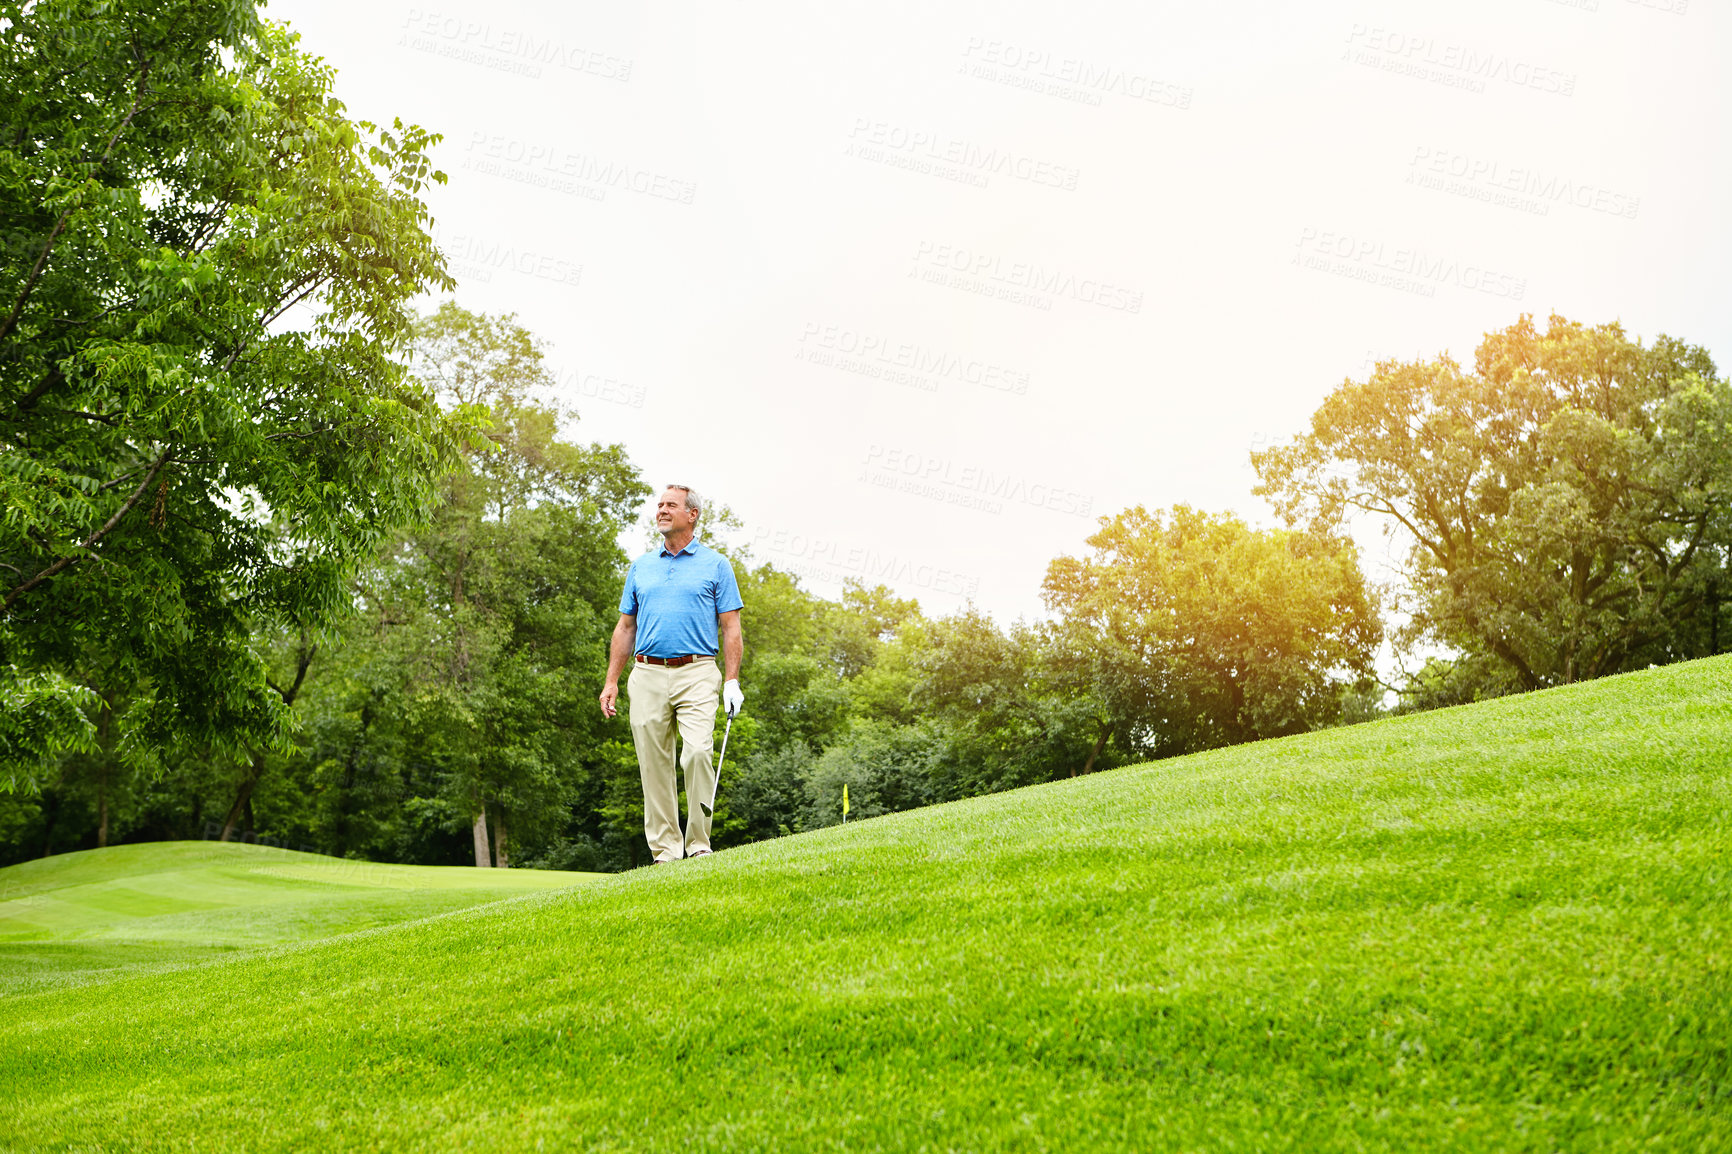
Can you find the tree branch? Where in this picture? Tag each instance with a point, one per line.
(121, 480)
(312, 287)
(303, 659)
(54, 377)
(11, 320)
(105, 418)
(107, 526)
(1387, 508)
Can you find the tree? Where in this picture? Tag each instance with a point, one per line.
(805, 661)
(1206, 632)
(886, 768)
(1000, 699)
(510, 591)
(205, 427)
(260, 757)
(41, 718)
(1567, 500)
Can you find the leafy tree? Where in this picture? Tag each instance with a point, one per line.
(1008, 715)
(351, 786)
(768, 798)
(796, 699)
(460, 685)
(1568, 500)
(805, 659)
(509, 592)
(205, 268)
(886, 768)
(41, 717)
(1210, 632)
(859, 626)
(890, 686)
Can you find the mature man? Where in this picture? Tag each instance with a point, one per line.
(674, 599)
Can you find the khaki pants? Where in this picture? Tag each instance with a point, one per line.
(663, 701)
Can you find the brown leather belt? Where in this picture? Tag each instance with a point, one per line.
(670, 662)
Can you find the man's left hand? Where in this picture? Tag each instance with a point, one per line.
(732, 699)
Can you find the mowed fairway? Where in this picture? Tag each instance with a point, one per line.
(83, 917)
(1503, 927)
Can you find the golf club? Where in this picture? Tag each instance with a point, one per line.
(709, 810)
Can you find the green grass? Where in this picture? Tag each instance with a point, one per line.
(90, 916)
(1502, 927)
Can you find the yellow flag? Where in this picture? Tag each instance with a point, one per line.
(844, 799)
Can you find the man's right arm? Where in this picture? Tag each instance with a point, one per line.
(618, 652)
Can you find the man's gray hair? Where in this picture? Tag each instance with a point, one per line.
(694, 503)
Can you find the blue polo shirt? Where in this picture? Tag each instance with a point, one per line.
(675, 598)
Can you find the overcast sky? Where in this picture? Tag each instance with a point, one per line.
(921, 290)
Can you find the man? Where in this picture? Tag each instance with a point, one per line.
(674, 599)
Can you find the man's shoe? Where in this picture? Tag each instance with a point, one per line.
(699, 853)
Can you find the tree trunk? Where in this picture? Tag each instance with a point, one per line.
(500, 857)
(1713, 618)
(105, 751)
(1100, 744)
(244, 799)
(50, 814)
(341, 826)
(483, 858)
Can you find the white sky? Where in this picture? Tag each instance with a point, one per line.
(1175, 228)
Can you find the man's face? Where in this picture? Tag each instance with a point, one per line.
(672, 516)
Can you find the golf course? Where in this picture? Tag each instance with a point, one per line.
(1502, 926)
(92, 916)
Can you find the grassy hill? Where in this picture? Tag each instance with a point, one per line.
(93, 915)
(1503, 927)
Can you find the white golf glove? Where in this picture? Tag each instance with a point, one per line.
(732, 699)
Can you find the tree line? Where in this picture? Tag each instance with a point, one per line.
(283, 557)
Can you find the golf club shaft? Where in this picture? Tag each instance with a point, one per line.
(710, 809)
